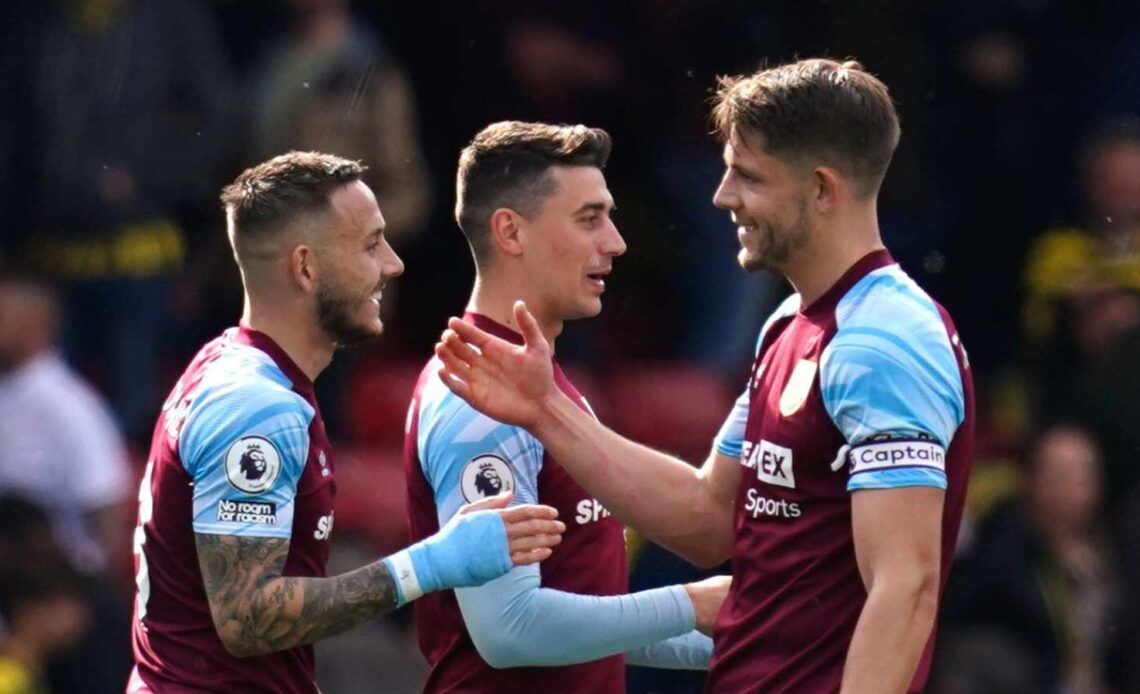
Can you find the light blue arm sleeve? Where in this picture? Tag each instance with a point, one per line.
(244, 444)
(891, 384)
(691, 651)
(513, 620)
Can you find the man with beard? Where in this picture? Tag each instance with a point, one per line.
(837, 482)
(534, 206)
(236, 502)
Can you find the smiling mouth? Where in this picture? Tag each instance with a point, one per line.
(598, 279)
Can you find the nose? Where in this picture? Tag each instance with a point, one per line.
(614, 243)
(392, 265)
(725, 196)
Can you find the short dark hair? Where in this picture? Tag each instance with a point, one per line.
(506, 165)
(274, 191)
(815, 108)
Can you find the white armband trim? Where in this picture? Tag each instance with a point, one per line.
(896, 455)
(404, 573)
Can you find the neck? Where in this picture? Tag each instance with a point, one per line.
(832, 251)
(300, 337)
(495, 298)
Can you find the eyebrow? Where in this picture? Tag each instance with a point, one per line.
(596, 207)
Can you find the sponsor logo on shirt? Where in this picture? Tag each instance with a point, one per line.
(486, 475)
(252, 464)
(259, 512)
(889, 455)
(773, 463)
(590, 511)
(324, 527)
(760, 506)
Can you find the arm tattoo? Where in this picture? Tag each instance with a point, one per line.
(256, 610)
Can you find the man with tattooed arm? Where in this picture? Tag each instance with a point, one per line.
(236, 504)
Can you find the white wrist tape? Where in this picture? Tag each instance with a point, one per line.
(404, 573)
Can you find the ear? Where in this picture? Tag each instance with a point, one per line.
(304, 268)
(828, 186)
(506, 225)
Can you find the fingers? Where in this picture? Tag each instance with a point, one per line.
(532, 557)
(524, 512)
(527, 324)
(453, 383)
(533, 542)
(491, 502)
(458, 347)
(455, 364)
(469, 333)
(534, 527)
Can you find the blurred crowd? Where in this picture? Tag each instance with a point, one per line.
(1014, 199)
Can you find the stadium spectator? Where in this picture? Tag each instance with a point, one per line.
(332, 85)
(1082, 311)
(43, 611)
(126, 115)
(1040, 572)
(59, 443)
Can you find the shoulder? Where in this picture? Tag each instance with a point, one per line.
(242, 392)
(888, 308)
(447, 418)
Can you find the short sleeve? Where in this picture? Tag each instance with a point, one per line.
(891, 384)
(467, 456)
(245, 448)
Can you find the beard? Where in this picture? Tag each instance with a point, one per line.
(780, 241)
(336, 314)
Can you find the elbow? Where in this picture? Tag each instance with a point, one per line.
(499, 651)
(705, 558)
(918, 589)
(237, 645)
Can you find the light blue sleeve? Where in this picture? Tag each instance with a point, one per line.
(691, 651)
(244, 446)
(513, 620)
(467, 456)
(891, 384)
(730, 439)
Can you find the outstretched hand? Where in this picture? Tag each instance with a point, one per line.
(503, 381)
(532, 529)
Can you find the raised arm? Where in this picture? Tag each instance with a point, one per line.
(682, 508)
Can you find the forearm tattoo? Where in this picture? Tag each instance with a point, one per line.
(257, 611)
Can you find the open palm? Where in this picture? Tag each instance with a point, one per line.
(503, 381)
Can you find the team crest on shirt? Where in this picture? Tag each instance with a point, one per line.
(253, 464)
(798, 387)
(486, 475)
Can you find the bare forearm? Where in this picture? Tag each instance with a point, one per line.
(257, 611)
(663, 497)
(889, 639)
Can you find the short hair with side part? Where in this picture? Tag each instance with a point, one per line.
(815, 110)
(507, 165)
(266, 197)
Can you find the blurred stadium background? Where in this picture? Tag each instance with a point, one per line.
(1014, 198)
